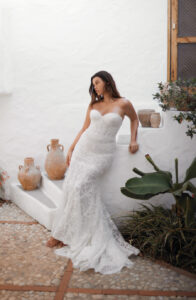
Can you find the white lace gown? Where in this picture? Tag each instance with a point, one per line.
(82, 220)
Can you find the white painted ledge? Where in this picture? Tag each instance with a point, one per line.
(167, 123)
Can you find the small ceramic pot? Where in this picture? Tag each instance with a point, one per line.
(29, 175)
(144, 117)
(55, 163)
(155, 119)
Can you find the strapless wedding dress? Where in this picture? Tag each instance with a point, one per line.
(82, 220)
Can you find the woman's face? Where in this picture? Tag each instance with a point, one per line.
(98, 85)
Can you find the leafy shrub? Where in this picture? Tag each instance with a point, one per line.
(159, 233)
(179, 94)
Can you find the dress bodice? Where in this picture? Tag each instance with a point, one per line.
(104, 127)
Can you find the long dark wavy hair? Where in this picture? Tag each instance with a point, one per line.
(110, 87)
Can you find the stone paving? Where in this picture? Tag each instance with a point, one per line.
(30, 270)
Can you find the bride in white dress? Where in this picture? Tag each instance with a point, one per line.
(83, 227)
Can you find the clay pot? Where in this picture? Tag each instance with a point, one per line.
(29, 175)
(155, 119)
(55, 163)
(144, 116)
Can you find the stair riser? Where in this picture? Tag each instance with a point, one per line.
(33, 207)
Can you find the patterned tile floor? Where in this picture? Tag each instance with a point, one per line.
(30, 270)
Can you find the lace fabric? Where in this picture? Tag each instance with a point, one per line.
(82, 220)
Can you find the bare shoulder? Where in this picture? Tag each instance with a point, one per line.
(90, 107)
(129, 110)
(121, 102)
(126, 103)
(95, 105)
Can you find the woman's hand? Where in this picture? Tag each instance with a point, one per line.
(68, 157)
(133, 147)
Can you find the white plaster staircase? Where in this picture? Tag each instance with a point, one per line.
(41, 204)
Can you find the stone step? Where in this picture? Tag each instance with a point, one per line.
(52, 188)
(41, 204)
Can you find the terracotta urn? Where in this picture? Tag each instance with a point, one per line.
(55, 163)
(29, 175)
(155, 119)
(144, 116)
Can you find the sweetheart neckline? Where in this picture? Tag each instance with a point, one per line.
(111, 112)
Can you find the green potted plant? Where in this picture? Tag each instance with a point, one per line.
(154, 183)
(179, 95)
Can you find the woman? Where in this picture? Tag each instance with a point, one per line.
(83, 227)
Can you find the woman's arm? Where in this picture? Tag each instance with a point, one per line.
(134, 123)
(85, 126)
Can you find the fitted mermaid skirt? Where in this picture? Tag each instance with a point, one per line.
(82, 220)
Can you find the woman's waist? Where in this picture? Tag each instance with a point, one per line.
(103, 137)
(96, 144)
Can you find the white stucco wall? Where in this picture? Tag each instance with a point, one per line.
(53, 48)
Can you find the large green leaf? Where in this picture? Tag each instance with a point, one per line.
(165, 173)
(151, 183)
(191, 171)
(128, 193)
(168, 175)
